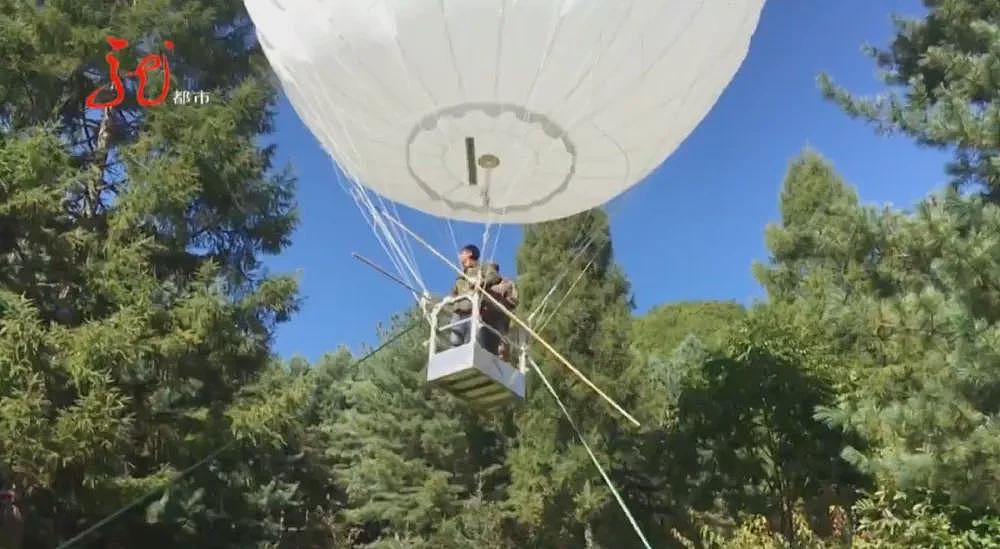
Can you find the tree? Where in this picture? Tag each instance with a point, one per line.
(947, 88)
(918, 331)
(755, 409)
(732, 431)
(406, 459)
(895, 520)
(823, 231)
(923, 388)
(663, 328)
(555, 492)
(135, 316)
(904, 308)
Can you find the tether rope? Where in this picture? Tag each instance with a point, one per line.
(593, 458)
(212, 455)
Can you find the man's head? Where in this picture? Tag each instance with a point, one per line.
(468, 256)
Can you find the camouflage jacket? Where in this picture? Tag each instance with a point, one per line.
(506, 292)
(485, 273)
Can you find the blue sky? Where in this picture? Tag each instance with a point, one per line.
(690, 231)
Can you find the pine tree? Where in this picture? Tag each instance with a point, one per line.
(904, 307)
(135, 315)
(919, 332)
(826, 254)
(406, 459)
(925, 388)
(555, 492)
(945, 69)
(822, 229)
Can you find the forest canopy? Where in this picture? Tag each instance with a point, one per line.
(857, 405)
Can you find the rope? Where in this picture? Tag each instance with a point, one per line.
(564, 297)
(387, 235)
(503, 308)
(375, 231)
(407, 247)
(391, 245)
(380, 215)
(385, 344)
(565, 272)
(541, 305)
(451, 231)
(540, 310)
(214, 454)
(593, 458)
(136, 502)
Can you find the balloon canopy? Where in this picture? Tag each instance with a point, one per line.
(512, 111)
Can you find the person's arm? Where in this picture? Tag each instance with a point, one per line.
(463, 306)
(491, 275)
(509, 293)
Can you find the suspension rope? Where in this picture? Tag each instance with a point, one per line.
(378, 235)
(211, 456)
(389, 237)
(407, 246)
(565, 297)
(612, 210)
(451, 231)
(545, 299)
(396, 240)
(503, 308)
(540, 309)
(563, 274)
(593, 458)
(389, 240)
(392, 236)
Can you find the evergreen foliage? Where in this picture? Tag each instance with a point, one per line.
(555, 492)
(944, 75)
(907, 308)
(135, 317)
(663, 328)
(856, 407)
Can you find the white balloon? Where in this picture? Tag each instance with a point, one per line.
(574, 101)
